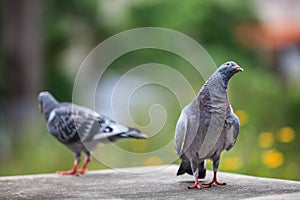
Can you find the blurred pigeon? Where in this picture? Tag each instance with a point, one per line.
(207, 126)
(81, 129)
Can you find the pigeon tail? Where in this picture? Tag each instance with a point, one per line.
(133, 133)
(185, 167)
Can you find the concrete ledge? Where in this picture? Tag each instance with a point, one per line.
(154, 183)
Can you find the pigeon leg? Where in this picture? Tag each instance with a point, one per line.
(215, 166)
(85, 164)
(195, 170)
(74, 168)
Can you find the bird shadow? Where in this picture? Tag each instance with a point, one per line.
(200, 181)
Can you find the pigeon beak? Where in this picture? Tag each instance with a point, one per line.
(238, 68)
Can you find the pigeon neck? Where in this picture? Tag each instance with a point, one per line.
(48, 107)
(217, 81)
(48, 111)
(226, 77)
(225, 81)
(214, 95)
(217, 89)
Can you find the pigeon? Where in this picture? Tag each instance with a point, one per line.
(207, 126)
(81, 129)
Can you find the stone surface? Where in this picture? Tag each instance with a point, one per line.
(143, 183)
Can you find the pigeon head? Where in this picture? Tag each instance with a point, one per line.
(227, 70)
(46, 103)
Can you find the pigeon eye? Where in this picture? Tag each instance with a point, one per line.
(228, 64)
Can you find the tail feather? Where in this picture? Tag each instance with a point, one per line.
(133, 133)
(202, 170)
(114, 135)
(185, 167)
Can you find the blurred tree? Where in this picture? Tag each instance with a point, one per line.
(22, 61)
(61, 18)
(34, 35)
(208, 21)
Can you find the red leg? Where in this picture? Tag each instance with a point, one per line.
(198, 185)
(214, 181)
(72, 171)
(84, 166)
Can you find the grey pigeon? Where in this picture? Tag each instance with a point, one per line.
(80, 128)
(207, 126)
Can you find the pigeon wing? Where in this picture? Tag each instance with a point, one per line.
(180, 133)
(187, 127)
(69, 123)
(232, 131)
(92, 126)
(61, 124)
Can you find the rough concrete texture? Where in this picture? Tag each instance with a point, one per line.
(153, 183)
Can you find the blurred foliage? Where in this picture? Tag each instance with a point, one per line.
(59, 19)
(268, 144)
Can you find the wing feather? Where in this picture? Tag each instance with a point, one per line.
(71, 123)
(233, 131)
(187, 127)
(180, 133)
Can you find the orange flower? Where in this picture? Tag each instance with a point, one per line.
(286, 135)
(273, 158)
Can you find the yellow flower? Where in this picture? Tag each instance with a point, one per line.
(265, 139)
(243, 116)
(286, 134)
(232, 163)
(272, 158)
(153, 160)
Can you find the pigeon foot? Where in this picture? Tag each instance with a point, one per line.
(81, 171)
(198, 185)
(214, 182)
(69, 172)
